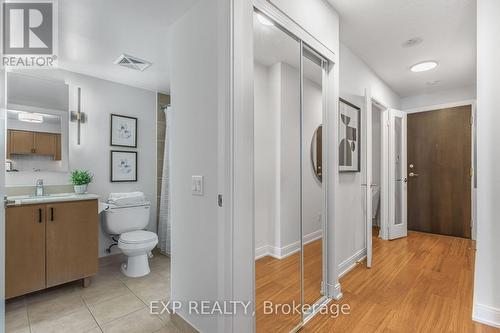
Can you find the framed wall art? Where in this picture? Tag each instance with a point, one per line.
(349, 137)
(123, 131)
(123, 166)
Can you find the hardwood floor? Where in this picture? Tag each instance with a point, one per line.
(422, 283)
(278, 281)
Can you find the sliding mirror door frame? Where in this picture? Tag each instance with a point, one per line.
(330, 286)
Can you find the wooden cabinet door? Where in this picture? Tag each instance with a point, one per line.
(72, 241)
(20, 142)
(45, 144)
(24, 249)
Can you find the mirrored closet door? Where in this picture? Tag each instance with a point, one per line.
(312, 176)
(289, 194)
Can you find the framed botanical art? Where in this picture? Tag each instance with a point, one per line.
(123, 131)
(123, 166)
(349, 137)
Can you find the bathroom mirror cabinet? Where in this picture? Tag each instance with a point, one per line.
(37, 124)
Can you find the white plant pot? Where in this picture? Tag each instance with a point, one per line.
(80, 189)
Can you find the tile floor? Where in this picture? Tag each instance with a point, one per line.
(112, 303)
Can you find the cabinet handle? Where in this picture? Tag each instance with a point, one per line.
(52, 213)
(39, 215)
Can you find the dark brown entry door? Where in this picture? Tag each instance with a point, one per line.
(439, 171)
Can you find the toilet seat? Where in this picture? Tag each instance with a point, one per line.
(138, 237)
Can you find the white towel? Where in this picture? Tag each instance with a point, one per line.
(126, 199)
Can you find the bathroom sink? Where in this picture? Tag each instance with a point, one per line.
(56, 197)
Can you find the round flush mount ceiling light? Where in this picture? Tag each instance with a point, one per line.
(264, 20)
(30, 117)
(424, 66)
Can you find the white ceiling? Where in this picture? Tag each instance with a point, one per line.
(376, 29)
(94, 33)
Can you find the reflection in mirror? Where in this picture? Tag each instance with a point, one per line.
(317, 152)
(37, 124)
(277, 175)
(33, 141)
(312, 190)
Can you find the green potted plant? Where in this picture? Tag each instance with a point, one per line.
(80, 179)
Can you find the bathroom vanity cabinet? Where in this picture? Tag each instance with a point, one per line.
(50, 244)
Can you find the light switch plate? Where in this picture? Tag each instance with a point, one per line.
(197, 185)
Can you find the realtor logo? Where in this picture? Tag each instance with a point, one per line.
(29, 33)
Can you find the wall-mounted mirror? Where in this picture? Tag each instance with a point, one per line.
(317, 152)
(37, 124)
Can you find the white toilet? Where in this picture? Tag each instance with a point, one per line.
(134, 242)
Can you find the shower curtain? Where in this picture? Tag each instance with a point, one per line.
(164, 224)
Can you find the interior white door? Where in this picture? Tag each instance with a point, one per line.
(368, 166)
(398, 219)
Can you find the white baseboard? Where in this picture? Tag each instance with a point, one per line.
(487, 315)
(347, 265)
(261, 252)
(285, 251)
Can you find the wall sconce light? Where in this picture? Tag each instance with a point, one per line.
(78, 116)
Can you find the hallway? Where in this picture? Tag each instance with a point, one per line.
(422, 283)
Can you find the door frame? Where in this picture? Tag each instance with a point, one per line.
(384, 168)
(384, 171)
(473, 196)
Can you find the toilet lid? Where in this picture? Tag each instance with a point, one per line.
(138, 236)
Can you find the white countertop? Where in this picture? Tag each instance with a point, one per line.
(58, 197)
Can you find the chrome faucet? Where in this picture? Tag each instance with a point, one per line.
(39, 188)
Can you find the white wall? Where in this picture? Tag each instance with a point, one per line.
(315, 16)
(355, 77)
(197, 264)
(277, 160)
(266, 120)
(487, 271)
(442, 97)
(2, 193)
(100, 98)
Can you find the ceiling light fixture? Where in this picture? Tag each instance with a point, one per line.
(424, 66)
(30, 117)
(264, 20)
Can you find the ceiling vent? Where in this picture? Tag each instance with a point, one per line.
(132, 62)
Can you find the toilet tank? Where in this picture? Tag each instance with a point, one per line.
(120, 219)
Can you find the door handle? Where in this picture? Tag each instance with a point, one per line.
(52, 213)
(39, 215)
(372, 185)
(413, 174)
